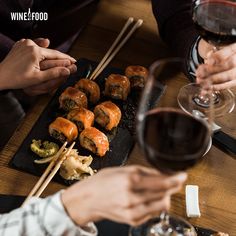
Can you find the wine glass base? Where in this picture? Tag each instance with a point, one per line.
(204, 102)
(180, 227)
(190, 100)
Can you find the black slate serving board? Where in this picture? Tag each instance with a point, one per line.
(121, 140)
(105, 227)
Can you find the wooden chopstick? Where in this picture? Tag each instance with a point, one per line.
(54, 171)
(127, 24)
(43, 181)
(109, 56)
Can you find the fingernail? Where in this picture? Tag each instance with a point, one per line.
(73, 59)
(65, 72)
(209, 53)
(74, 69)
(211, 61)
(67, 63)
(182, 176)
(198, 80)
(199, 73)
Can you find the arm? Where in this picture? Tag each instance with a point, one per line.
(42, 217)
(113, 193)
(175, 24)
(5, 46)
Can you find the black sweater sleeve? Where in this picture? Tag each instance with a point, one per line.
(175, 24)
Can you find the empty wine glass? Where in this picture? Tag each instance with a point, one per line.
(215, 21)
(172, 141)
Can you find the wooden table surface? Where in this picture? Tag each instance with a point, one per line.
(215, 175)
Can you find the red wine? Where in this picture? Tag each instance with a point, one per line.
(173, 140)
(216, 21)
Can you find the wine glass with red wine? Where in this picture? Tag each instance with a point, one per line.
(215, 21)
(172, 141)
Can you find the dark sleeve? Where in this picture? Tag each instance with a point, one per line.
(175, 24)
(5, 45)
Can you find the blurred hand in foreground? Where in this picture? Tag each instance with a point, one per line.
(129, 195)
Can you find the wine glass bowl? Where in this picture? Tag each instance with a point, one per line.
(169, 135)
(215, 21)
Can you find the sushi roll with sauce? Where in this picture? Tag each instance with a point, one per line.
(94, 140)
(117, 86)
(63, 130)
(82, 117)
(90, 88)
(137, 76)
(107, 114)
(72, 98)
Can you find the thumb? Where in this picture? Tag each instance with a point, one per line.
(42, 42)
(53, 73)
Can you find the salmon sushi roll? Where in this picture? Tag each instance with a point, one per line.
(117, 86)
(90, 88)
(94, 140)
(63, 130)
(137, 76)
(107, 114)
(82, 117)
(72, 98)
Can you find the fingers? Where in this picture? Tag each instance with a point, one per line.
(47, 64)
(227, 85)
(42, 42)
(205, 70)
(143, 212)
(221, 55)
(54, 54)
(72, 68)
(45, 87)
(52, 73)
(160, 183)
(223, 76)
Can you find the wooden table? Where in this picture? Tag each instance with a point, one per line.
(215, 175)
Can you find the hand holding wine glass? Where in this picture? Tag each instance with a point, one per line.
(215, 21)
(171, 139)
(220, 68)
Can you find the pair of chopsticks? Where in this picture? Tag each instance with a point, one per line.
(116, 46)
(49, 173)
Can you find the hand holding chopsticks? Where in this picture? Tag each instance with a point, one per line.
(110, 55)
(46, 177)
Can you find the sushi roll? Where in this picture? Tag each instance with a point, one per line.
(90, 88)
(94, 140)
(82, 117)
(72, 98)
(107, 114)
(117, 86)
(63, 130)
(137, 76)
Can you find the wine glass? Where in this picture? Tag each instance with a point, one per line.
(171, 139)
(215, 21)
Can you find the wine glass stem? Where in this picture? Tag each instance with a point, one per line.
(164, 217)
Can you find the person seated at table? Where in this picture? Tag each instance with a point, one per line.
(177, 29)
(64, 22)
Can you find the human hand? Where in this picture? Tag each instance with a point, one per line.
(129, 195)
(21, 67)
(219, 68)
(51, 85)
